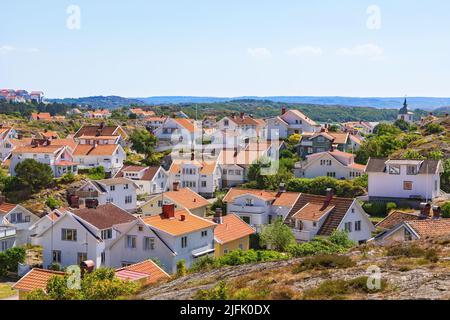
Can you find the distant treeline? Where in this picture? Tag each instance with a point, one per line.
(25, 109)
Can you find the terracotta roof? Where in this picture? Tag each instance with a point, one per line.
(206, 167)
(104, 216)
(116, 181)
(99, 150)
(7, 207)
(186, 123)
(286, 199)
(379, 165)
(357, 166)
(232, 228)
(335, 216)
(36, 279)
(37, 149)
(148, 268)
(96, 130)
(397, 217)
(339, 138)
(302, 116)
(64, 142)
(162, 118)
(41, 116)
(148, 175)
(236, 192)
(175, 226)
(356, 139)
(313, 211)
(187, 198)
(49, 134)
(430, 228)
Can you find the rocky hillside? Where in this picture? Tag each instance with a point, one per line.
(412, 271)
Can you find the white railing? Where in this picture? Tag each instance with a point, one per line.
(7, 232)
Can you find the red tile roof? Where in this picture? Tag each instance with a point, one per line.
(7, 207)
(99, 150)
(397, 217)
(232, 228)
(36, 279)
(104, 216)
(430, 228)
(187, 198)
(147, 268)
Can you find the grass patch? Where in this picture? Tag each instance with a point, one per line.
(6, 291)
(324, 261)
(413, 252)
(341, 289)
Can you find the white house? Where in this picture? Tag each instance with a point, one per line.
(43, 223)
(176, 130)
(203, 177)
(260, 207)
(6, 146)
(334, 164)
(7, 237)
(101, 130)
(155, 122)
(246, 126)
(182, 198)
(108, 156)
(288, 123)
(140, 113)
(404, 179)
(150, 180)
(98, 114)
(169, 237)
(58, 157)
(21, 219)
(83, 235)
(314, 215)
(120, 191)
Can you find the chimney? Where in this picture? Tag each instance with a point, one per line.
(102, 125)
(424, 211)
(192, 156)
(183, 217)
(283, 110)
(168, 211)
(437, 212)
(176, 186)
(242, 115)
(235, 152)
(329, 197)
(87, 267)
(91, 203)
(282, 188)
(218, 216)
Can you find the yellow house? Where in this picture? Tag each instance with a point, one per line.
(231, 233)
(183, 198)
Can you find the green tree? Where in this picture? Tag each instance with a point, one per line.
(143, 142)
(402, 125)
(446, 210)
(294, 139)
(434, 128)
(34, 174)
(277, 236)
(412, 155)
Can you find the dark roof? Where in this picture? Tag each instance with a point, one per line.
(96, 130)
(104, 216)
(379, 165)
(149, 173)
(397, 217)
(404, 109)
(339, 207)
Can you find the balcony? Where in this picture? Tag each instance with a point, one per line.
(86, 194)
(6, 232)
(246, 209)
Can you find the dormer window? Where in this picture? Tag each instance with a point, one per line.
(249, 202)
(394, 170)
(106, 234)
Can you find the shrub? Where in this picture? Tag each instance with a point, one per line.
(218, 292)
(277, 236)
(433, 128)
(414, 251)
(53, 203)
(181, 268)
(375, 209)
(325, 261)
(390, 206)
(97, 173)
(10, 259)
(67, 178)
(338, 242)
(446, 210)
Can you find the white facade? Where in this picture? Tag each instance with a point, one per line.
(157, 184)
(21, 219)
(290, 122)
(112, 162)
(6, 146)
(402, 180)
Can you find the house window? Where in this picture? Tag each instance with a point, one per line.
(160, 203)
(246, 219)
(411, 170)
(348, 227)
(238, 172)
(226, 123)
(103, 257)
(81, 256)
(407, 185)
(407, 235)
(125, 187)
(149, 243)
(224, 171)
(203, 184)
(204, 233)
(241, 246)
(435, 185)
(112, 188)
(331, 174)
(109, 200)
(225, 251)
(106, 234)
(249, 202)
(183, 242)
(394, 170)
(131, 242)
(357, 225)
(56, 256)
(69, 234)
(314, 224)
(128, 199)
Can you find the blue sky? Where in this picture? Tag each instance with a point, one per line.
(226, 48)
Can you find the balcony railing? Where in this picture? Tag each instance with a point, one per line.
(87, 194)
(7, 232)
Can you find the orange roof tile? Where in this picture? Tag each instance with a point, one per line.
(36, 279)
(41, 116)
(286, 199)
(175, 226)
(37, 149)
(186, 123)
(7, 207)
(99, 150)
(232, 228)
(148, 268)
(187, 198)
(339, 138)
(236, 192)
(397, 217)
(312, 211)
(430, 228)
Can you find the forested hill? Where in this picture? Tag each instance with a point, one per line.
(100, 101)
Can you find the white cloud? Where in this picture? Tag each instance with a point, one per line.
(259, 53)
(369, 50)
(8, 48)
(305, 51)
